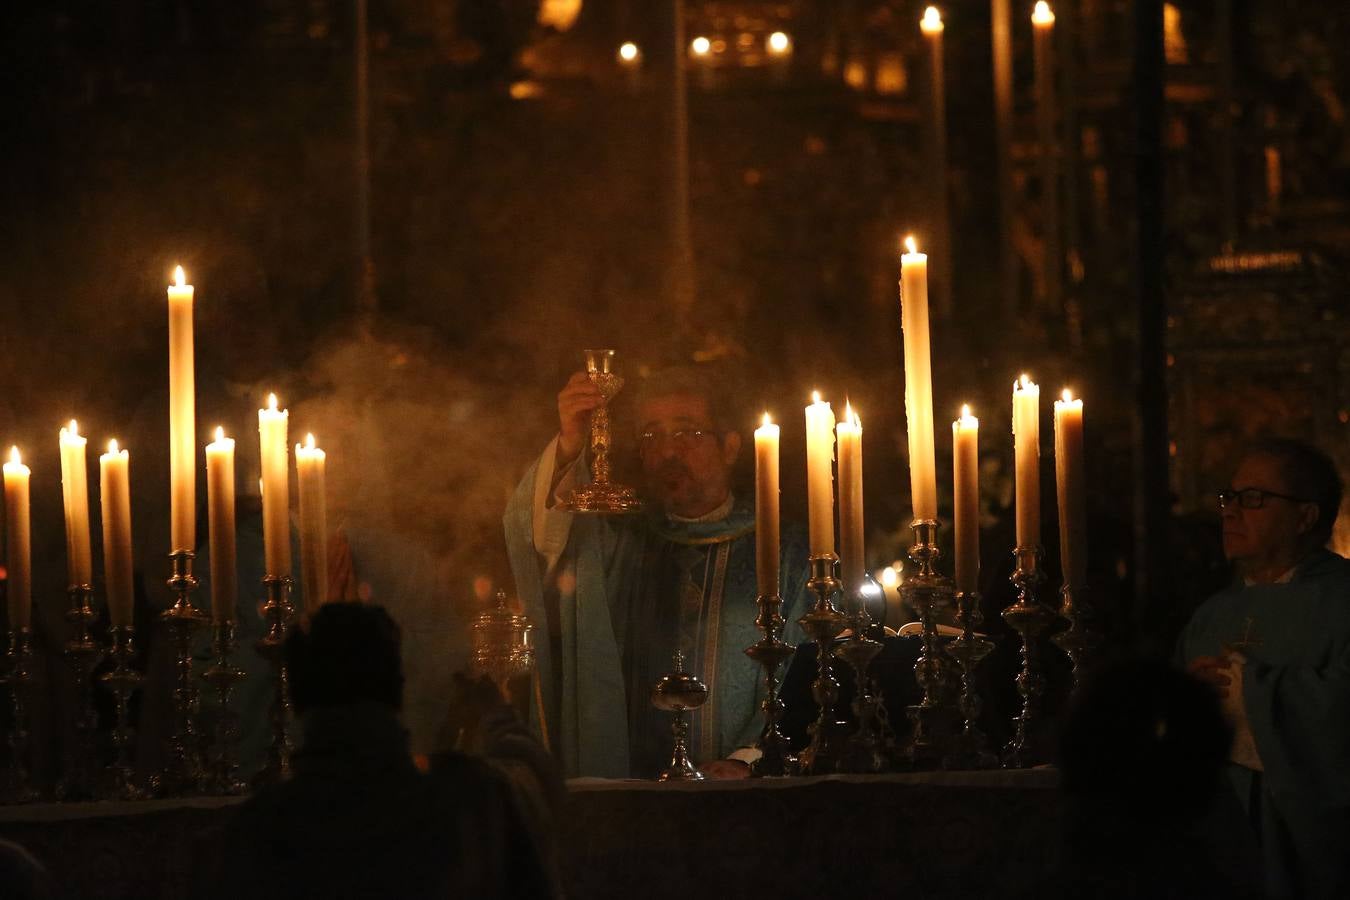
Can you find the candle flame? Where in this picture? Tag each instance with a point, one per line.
(74, 429)
(628, 51)
(1067, 395)
(1024, 381)
(889, 577)
(272, 402)
(779, 43)
(700, 46)
(767, 421)
(309, 441)
(220, 432)
(965, 410)
(112, 447)
(1042, 15)
(815, 396)
(179, 280)
(850, 416)
(910, 246)
(14, 455)
(931, 23)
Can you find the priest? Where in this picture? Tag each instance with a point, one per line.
(1276, 646)
(618, 595)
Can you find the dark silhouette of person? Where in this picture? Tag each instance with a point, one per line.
(358, 819)
(1142, 754)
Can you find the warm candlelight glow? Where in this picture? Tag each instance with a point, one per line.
(179, 280)
(931, 23)
(889, 577)
(220, 432)
(910, 246)
(112, 446)
(628, 52)
(779, 43)
(850, 416)
(967, 418)
(1024, 381)
(700, 46)
(309, 441)
(74, 429)
(766, 420)
(815, 396)
(1042, 16)
(14, 456)
(272, 401)
(1067, 395)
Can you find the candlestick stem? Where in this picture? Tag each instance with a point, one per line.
(83, 655)
(770, 652)
(122, 679)
(19, 677)
(222, 771)
(182, 773)
(1029, 617)
(928, 594)
(822, 623)
(863, 752)
(1080, 639)
(278, 613)
(971, 749)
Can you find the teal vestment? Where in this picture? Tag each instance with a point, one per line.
(1296, 689)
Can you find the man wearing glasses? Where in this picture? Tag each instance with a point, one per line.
(620, 594)
(1276, 646)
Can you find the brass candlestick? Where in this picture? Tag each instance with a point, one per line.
(182, 774)
(221, 774)
(601, 495)
(863, 752)
(822, 623)
(1029, 617)
(83, 655)
(501, 645)
(678, 692)
(1080, 639)
(928, 594)
(122, 679)
(971, 750)
(770, 652)
(19, 677)
(278, 612)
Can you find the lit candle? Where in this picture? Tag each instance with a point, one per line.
(918, 381)
(220, 509)
(309, 469)
(852, 546)
(1069, 482)
(276, 488)
(1027, 459)
(936, 155)
(966, 490)
(114, 469)
(75, 495)
(819, 477)
(18, 542)
(766, 508)
(182, 417)
(890, 586)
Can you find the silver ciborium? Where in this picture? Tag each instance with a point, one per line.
(602, 495)
(678, 692)
(501, 645)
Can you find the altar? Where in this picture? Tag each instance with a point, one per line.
(931, 834)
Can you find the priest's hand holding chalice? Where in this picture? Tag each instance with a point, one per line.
(583, 415)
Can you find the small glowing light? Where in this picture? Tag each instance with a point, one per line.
(1067, 395)
(309, 441)
(179, 279)
(889, 577)
(74, 429)
(629, 52)
(220, 433)
(14, 456)
(112, 447)
(700, 46)
(1024, 381)
(815, 396)
(767, 421)
(779, 43)
(525, 90)
(965, 410)
(272, 402)
(931, 23)
(1042, 16)
(910, 246)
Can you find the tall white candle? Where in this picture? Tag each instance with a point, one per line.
(767, 516)
(75, 495)
(309, 468)
(819, 475)
(115, 495)
(182, 417)
(220, 511)
(918, 381)
(966, 490)
(852, 542)
(276, 488)
(1070, 489)
(1027, 459)
(18, 542)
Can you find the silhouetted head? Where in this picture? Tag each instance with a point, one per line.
(1144, 739)
(351, 653)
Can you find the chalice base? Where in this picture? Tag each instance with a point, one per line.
(602, 499)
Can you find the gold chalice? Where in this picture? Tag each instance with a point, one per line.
(602, 496)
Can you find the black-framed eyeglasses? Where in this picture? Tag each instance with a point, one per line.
(1253, 498)
(683, 440)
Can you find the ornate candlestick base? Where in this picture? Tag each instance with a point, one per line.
(122, 680)
(1029, 617)
(770, 653)
(83, 655)
(19, 677)
(1080, 639)
(863, 754)
(602, 496)
(970, 749)
(278, 613)
(221, 775)
(182, 774)
(678, 692)
(928, 594)
(822, 623)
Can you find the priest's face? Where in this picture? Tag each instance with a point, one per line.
(1269, 535)
(686, 461)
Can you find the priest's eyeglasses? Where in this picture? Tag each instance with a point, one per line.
(1253, 498)
(682, 440)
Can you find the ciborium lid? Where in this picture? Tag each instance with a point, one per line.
(501, 643)
(679, 689)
